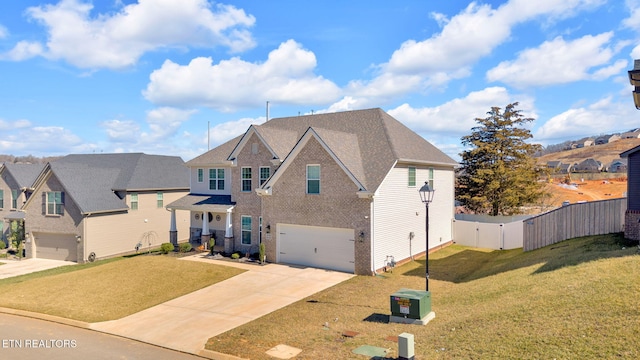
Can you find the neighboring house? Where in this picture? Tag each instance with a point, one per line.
(90, 206)
(15, 189)
(583, 143)
(631, 134)
(605, 139)
(566, 168)
(553, 165)
(617, 166)
(336, 191)
(588, 166)
(632, 214)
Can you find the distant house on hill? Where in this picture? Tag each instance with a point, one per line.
(588, 165)
(631, 134)
(605, 139)
(553, 165)
(582, 143)
(617, 166)
(565, 168)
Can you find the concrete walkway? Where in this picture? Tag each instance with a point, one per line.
(186, 323)
(26, 266)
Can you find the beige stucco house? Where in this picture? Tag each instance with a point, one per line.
(92, 206)
(336, 191)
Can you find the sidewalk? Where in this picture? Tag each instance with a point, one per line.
(187, 322)
(26, 266)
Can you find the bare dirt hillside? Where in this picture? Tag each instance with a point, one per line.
(604, 153)
(588, 190)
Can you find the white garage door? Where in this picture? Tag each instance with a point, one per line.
(56, 246)
(314, 246)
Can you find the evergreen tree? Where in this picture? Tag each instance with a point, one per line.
(498, 174)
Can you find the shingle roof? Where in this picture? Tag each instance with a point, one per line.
(368, 142)
(91, 180)
(24, 174)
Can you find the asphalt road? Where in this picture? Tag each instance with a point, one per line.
(33, 339)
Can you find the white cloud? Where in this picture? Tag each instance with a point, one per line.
(559, 61)
(118, 40)
(456, 117)
(23, 50)
(223, 132)
(601, 117)
(13, 125)
(119, 131)
(472, 34)
(49, 140)
(287, 77)
(3, 32)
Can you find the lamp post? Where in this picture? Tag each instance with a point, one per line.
(634, 79)
(426, 195)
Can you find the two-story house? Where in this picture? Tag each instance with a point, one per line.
(336, 191)
(15, 189)
(91, 206)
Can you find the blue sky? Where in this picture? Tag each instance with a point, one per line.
(79, 76)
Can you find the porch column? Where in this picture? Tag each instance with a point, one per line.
(228, 233)
(173, 229)
(229, 225)
(206, 236)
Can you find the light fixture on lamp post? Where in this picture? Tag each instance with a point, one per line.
(634, 79)
(426, 195)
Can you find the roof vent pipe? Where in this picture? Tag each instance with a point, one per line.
(267, 111)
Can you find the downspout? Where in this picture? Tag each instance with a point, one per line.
(372, 235)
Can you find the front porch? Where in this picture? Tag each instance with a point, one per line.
(207, 214)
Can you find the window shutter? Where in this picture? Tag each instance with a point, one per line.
(44, 203)
(62, 201)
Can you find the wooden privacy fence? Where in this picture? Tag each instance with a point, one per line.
(575, 220)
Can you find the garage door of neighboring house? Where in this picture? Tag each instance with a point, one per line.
(56, 246)
(314, 246)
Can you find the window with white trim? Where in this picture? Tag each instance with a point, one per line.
(160, 200)
(216, 179)
(313, 179)
(246, 230)
(265, 172)
(412, 176)
(246, 179)
(200, 175)
(14, 198)
(54, 203)
(430, 178)
(134, 201)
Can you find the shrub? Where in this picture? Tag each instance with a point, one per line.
(3, 245)
(165, 248)
(235, 256)
(261, 253)
(185, 247)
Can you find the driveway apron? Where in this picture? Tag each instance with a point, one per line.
(13, 268)
(187, 322)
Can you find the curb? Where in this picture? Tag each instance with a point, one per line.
(52, 318)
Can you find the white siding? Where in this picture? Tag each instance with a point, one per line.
(398, 211)
(203, 187)
(113, 234)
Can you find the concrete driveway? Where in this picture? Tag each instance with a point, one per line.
(186, 323)
(26, 266)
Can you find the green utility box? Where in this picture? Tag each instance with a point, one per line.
(413, 304)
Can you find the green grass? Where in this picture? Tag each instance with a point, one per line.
(578, 299)
(109, 289)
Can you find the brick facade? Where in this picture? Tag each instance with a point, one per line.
(632, 224)
(337, 205)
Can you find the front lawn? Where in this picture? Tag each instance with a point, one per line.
(578, 299)
(109, 289)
